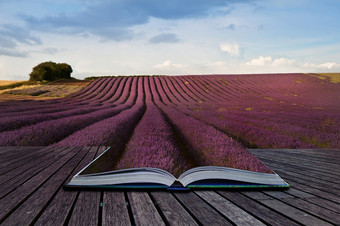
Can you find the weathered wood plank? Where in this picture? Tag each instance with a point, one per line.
(88, 204)
(11, 151)
(32, 163)
(261, 212)
(302, 162)
(310, 171)
(13, 199)
(314, 199)
(328, 155)
(298, 193)
(298, 215)
(57, 211)
(95, 151)
(317, 155)
(315, 169)
(15, 155)
(303, 205)
(307, 173)
(204, 213)
(143, 209)
(26, 158)
(17, 180)
(30, 208)
(302, 216)
(86, 211)
(228, 209)
(308, 187)
(172, 210)
(335, 207)
(312, 182)
(293, 210)
(8, 149)
(101, 149)
(314, 191)
(115, 210)
(330, 185)
(13, 161)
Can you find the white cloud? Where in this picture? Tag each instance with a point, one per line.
(328, 65)
(232, 48)
(260, 61)
(168, 64)
(268, 63)
(164, 64)
(283, 61)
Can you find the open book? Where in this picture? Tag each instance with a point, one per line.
(197, 177)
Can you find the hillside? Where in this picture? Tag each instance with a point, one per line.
(257, 111)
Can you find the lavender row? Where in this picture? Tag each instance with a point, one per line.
(49, 132)
(309, 127)
(178, 98)
(90, 88)
(196, 88)
(96, 87)
(285, 136)
(42, 104)
(293, 127)
(282, 133)
(153, 145)
(61, 104)
(106, 131)
(114, 131)
(207, 146)
(113, 91)
(209, 87)
(320, 121)
(93, 136)
(251, 136)
(15, 122)
(60, 107)
(182, 90)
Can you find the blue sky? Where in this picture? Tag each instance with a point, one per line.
(127, 37)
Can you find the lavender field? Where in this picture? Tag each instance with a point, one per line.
(176, 122)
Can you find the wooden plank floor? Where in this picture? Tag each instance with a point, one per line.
(32, 178)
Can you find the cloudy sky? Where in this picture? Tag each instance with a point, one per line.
(128, 37)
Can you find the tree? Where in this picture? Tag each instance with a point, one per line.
(51, 71)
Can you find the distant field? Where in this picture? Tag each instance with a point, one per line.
(8, 97)
(334, 77)
(23, 90)
(5, 82)
(331, 77)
